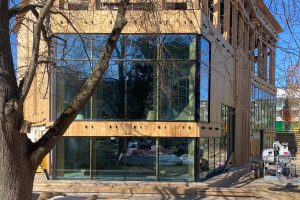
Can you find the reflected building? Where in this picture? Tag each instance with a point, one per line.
(188, 90)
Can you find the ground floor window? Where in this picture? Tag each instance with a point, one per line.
(138, 158)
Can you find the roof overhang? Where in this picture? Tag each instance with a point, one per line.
(262, 6)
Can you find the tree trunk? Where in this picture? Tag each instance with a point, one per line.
(16, 171)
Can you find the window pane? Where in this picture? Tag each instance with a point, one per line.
(176, 159)
(108, 99)
(73, 158)
(204, 93)
(73, 47)
(140, 159)
(177, 91)
(211, 163)
(99, 41)
(70, 78)
(203, 158)
(141, 47)
(205, 51)
(107, 161)
(140, 82)
(218, 161)
(204, 77)
(178, 46)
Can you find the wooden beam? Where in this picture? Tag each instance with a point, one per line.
(234, 25)
(226, 19)
(272, 67)
(134, 128)
(216, 13)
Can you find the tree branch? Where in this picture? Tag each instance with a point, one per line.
(43, 146)
(21, 9)
(25, 83)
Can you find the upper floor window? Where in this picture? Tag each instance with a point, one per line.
(205, 54)
(149, 77)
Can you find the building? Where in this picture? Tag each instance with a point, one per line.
(287, 117)
(175, 103)
(287, 110)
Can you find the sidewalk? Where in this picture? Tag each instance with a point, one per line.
(228, 185)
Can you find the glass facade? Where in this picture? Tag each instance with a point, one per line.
(138, 158)
(211, 157)
(227, 132)
(125, 158)
(150, 77)
(204, 56)
(263, 109)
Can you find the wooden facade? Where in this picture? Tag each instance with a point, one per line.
(246, 26)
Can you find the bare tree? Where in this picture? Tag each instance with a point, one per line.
(19, 157)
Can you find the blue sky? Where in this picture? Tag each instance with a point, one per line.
(287, 14)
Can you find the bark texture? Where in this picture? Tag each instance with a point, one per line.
(19, 157)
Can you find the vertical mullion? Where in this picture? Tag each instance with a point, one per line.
(91, 157)
(157, 158)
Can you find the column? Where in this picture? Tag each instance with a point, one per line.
(216, 13)
(234, 25)
(204, 6)
(259, 59)
(272, 66)
(226, 23)
(264, 61)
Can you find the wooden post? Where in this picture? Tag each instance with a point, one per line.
(234, 25)
(259, 61)
(226, 23)
(216, 13)
(252, 49)
(272, 67)
(264, 61)
(204, 6)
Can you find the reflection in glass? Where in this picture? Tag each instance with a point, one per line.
(204, 79)
(203, 162)
(212, 155)
(140, 159)
(140, 83)
(176, 159)
(70, 78)
(177, 91)
(149, 77)
(218, 162)
(178, 46)
(263, 109)
(108, 99)
(141, 47)
(107, 154)
(73, 158)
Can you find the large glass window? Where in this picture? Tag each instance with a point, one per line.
(149, 77)
(204, 158)
(263, 109)
(107, 155)
(227, 131)
(125, 158)
(205, 51)
(73, 158)
(176, 159)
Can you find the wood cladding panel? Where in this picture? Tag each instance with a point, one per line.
(166, 21)
(138, 129)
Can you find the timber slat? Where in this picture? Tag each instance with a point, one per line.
(236, 192)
